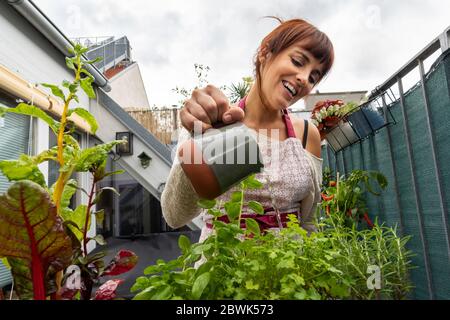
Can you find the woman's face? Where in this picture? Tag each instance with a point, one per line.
(289, 76)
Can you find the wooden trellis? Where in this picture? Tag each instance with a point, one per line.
(162, 123)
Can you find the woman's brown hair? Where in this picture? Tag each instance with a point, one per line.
(290, 32)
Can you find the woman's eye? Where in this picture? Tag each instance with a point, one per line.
(312, 80)
(297, 63)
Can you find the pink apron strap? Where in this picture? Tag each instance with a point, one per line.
(289, 127)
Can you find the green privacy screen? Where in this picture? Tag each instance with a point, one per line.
(412, 200)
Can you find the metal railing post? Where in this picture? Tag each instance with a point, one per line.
(416, 194)
(394, 175)
(442, 205)
(444, 40)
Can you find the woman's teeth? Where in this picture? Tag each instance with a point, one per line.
(288, 86)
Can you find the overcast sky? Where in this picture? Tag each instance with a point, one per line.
(372, 39)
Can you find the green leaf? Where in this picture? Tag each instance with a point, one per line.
(184, 243)
(79, 49)
(153, 269)
(334, 270)
(92, 158)
(78, 217)
(249, 285)
(252, 226)
(381, 179)
(87, 73)
(205, 267)
(286, 264)
(99, 193)
(30, 110)
(100, 240)
(199, 248)
(86, 85)
(233, 210)
(100, 217)
(236, 196)
(252, 183)
(71, 86)
(55, 90)
(145, 294)
(98, 59)
(215, 212)
(140, 284)
(69, 190)
(313, 294)
(340, 291)
(200, 284)
(206, 204)
(46, 155)
(37, 246)
(300, 295)
(256, 207)
(23, 169)
(70, 63)
(163, 293)
(87, 116)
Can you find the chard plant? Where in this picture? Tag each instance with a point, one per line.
(40, 236)
(235, 263)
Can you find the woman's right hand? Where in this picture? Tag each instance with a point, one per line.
(210, 106)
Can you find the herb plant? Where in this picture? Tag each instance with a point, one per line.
(234, 263)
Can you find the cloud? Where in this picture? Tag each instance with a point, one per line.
(372, 38)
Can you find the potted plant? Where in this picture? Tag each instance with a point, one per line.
(290, 264)
(330, 117)
(368, 118)
(325, 115)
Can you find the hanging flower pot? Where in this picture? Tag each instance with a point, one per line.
(331, 121)
(367, 119)
(341, 136)
(327, 115)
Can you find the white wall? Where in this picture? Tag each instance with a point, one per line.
(151, 177)
(127, 88)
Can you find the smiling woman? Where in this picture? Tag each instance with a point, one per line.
(301, 46)
(289, 62)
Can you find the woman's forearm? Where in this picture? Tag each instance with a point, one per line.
(179, 199)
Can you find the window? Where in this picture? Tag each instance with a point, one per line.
(14, 136)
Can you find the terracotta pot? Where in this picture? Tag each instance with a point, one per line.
(219, 159)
